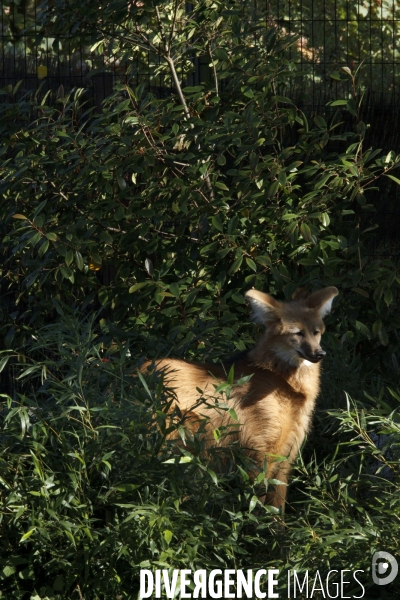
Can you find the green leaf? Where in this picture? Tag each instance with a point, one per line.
(96, 45)
(361, 292)
(39, 208)
(291, 229)
(222, 253)
(9, 570)
(321, 182)
(351, 107)
(144, 383)
(247, 91)
(44, 246)
(253, 503)
(320, 122)
(251, 264)
(376, 327)
(307, 262)
(363, 329)
(148, 263)
(325, 220)
(3, 362)
(216, 221)
(388, 296)
(28, 534)
(121, 182)
(272, 509)
(235, 266)
(273, 188)
(69, 257)
(174, 288)
(337, 103)
(66, 271)
(79, 260)
(387, 175)
(238, 298)
(28, 371)
(167, 535)
(128, 487)
(213, 476)
(138, 286)
(233, 414)
(305, 232)
(265, 261)
(221, 186)
(180, 460)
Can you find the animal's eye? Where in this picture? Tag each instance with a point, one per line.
(299, 333)
(316, 332)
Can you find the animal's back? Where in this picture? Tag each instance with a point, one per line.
(273, 416)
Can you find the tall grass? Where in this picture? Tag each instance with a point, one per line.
(92, 490)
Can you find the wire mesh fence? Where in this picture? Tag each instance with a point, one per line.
(331, 34)
(344, 33)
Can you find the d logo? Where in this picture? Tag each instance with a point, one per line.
(382, 567)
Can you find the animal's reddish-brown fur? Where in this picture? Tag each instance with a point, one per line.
(275, 406)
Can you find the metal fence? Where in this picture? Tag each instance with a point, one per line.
(331, 34)
(344, 33)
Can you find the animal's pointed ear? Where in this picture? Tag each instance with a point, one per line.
(322, 300)
(300, 294)
(265, 307)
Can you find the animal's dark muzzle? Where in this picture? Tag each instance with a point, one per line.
(319, 355)
(316, 357)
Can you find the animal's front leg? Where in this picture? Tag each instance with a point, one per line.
(277, 496)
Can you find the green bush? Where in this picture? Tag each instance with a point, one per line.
(134, 234)
(91, 490)
(166, 210)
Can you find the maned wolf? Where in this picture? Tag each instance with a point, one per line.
(274, 408)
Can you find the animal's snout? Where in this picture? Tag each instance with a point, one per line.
(312, 355)
(319, 355)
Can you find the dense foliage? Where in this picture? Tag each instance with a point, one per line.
(135, 233)
(92, 492)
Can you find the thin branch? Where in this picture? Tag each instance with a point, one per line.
(170, 61)
(178, 87)
(214, 69)
(173, 25)
(177, 83)
(160, 25)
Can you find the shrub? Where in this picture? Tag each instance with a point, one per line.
(165, 210)
(92, 491)
(134, 233)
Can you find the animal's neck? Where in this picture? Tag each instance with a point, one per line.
(301, 378)
(305, 378)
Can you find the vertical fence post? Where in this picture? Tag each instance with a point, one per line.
(102, 88)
